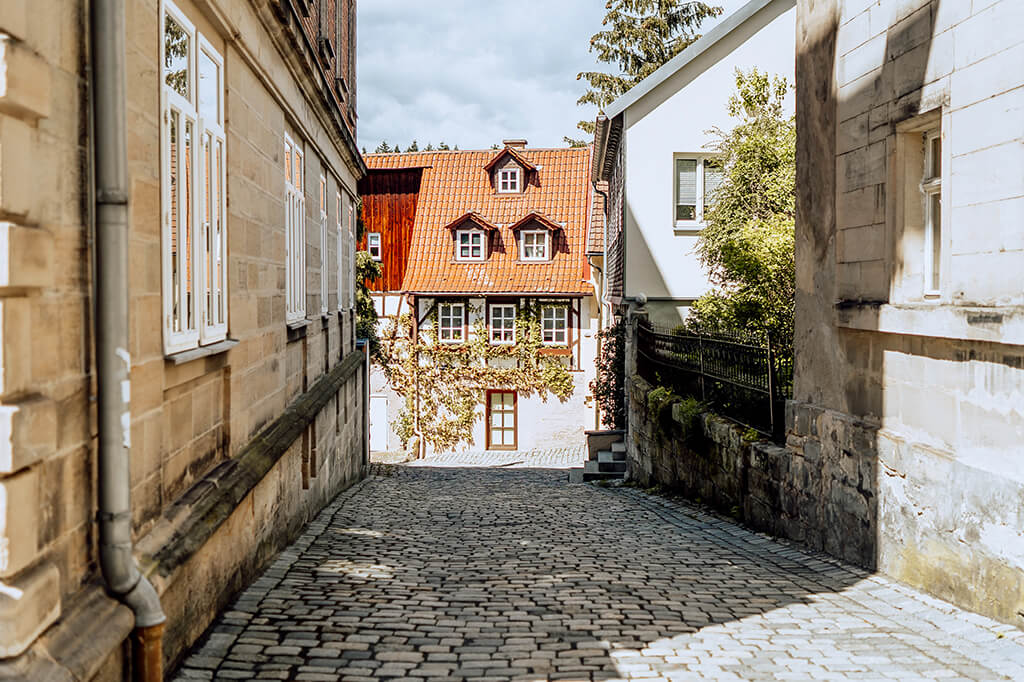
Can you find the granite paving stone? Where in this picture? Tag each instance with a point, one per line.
(493, 569)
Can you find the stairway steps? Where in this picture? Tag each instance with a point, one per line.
(608, 456)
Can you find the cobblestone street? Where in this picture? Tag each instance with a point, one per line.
(511, 573)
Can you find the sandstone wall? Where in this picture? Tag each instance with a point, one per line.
(224, 470)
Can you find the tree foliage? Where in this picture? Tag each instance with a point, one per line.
(747, 245)
(639, 36)
(452, 380)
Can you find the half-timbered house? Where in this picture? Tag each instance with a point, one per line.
(468, 240)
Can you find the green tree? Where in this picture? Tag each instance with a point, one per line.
(382, 148)
(413, 147)
(572, 142)
(429, 147)
(443, 147)
(367, 269)
(639, 36)
(747, 245)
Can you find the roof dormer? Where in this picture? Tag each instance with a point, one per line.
(509, 171)
(535, 237)
(471, 236)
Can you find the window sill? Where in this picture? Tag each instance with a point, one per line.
(945, 321)
(556, 351)
(201, 352)
(688, 229)
(297, 330)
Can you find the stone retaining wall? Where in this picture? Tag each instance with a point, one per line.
(821, 496)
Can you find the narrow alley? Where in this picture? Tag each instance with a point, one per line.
(510, 573)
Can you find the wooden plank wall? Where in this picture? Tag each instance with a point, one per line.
(389, 207)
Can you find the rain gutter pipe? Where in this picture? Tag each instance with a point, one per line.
(122, 576)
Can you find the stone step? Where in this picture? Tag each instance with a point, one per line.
(608, 456)
(618, 447)
(593, 467)
(603, 477)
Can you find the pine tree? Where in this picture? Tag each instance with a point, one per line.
(382, 148)
(443, 147)
(413, 147)
(640, 36)
(429, 147)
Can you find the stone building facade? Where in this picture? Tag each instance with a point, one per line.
(909, 387)
(247, 389)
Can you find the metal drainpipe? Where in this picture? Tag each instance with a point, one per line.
(107, 29)
(600, 328)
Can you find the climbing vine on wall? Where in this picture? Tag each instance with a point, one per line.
(451, 380)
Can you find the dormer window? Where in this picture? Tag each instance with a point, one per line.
(469, 245)
(534, 245)
(508, 180)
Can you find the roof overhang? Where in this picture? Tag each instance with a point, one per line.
(607, 135)
(474, 217)
(731, 23)
(537, 217)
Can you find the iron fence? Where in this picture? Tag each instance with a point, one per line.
(739, 374)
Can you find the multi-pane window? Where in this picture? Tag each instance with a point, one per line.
(323, 245)
(503, 323)
(534, 244)
(931, 187)
(373, 245)
(295, 233)
(351, 254)
(553, 325)
(342, 250)
(696, 180)
(470, 245)
(508, 180)
(451, 320)
(194, 221)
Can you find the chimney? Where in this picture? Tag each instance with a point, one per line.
(515, 144)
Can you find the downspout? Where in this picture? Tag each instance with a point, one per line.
(107, 29)
(600, 323)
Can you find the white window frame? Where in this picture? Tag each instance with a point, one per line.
(699, 219)
(545, 244)
(341, 250)
(506, 335)
(508, 180)
(323, 244)
(204, 260)
(373, 245)
(295, 232)
(470, 234)
(351, 252)
(445, 315)
(931, 189)
(554, 313)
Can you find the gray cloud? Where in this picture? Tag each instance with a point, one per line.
(473, 72)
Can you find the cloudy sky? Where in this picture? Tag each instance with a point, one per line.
(474, 72)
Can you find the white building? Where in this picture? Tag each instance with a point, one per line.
(654, 145)
(469, 243)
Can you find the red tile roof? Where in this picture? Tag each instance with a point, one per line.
(455, 184)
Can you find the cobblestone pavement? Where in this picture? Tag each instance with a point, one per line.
(444, 573)
(551, 458)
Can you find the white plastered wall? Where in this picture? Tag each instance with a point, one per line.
(660, 260)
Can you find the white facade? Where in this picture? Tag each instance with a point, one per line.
(671, 116)
(538, 423)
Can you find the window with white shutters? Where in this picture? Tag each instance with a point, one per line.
(295, 233)
(193, 180)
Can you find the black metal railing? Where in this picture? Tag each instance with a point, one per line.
(739, 374)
